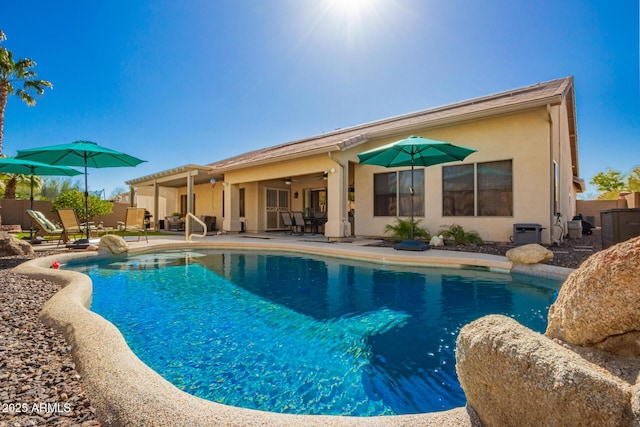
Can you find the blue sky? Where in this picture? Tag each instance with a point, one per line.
(180, 82)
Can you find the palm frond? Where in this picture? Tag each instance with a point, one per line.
(25, 63)
(25, 97)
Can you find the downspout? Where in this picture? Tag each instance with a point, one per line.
(554, 181)
(561, 171)
(346, 227)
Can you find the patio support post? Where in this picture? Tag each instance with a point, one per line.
(190, 179)
(337, 206)
(231, 221)
(156, 197)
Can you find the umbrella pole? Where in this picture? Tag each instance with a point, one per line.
(86, 197)
(31, 219)
(411, 191)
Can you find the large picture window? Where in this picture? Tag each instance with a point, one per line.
(495, 189)
(392, 193)
(457, 190)
(482, 189)
(404, 189)
(384, 194)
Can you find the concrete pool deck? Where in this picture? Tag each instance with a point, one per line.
(125, 391)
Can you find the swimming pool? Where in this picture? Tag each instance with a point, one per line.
(294, 334)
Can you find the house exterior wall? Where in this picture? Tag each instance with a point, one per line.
(523, 138)
(167, 200)
(208, 201)
(529, 127)
(278, 171)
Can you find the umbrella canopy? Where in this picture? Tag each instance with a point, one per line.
(80, 153)
(414, 151)
(27, 167)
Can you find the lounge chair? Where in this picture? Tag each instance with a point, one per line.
(134, 223)
(46, 228)
(72, 225)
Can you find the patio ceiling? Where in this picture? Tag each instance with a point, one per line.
(313, 179)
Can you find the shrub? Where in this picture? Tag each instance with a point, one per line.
(458, 236)
(74, 199)
(401, 230)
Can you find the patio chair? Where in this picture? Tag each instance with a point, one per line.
(286, 220)
(72, 225)
(317, 222)
(134, 223)
(46, 228)
(301, 223)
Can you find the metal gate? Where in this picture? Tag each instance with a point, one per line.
(277, 201)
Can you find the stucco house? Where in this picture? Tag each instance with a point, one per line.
(525, 170)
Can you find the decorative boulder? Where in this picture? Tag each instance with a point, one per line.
(10, 246)
(599, 303)
(529, 254)
(513, 376)
(113, 243)
(437, 241)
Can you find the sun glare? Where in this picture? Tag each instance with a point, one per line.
(353, 16)
(352, 8)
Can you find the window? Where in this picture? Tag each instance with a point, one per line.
(241, 202)
(482, 189)
(405, 192)
(384, 194)
(315, 202)
(495, 189)
(392, 193)
(457, 190)
(183, 204)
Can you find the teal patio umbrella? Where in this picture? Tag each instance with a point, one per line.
(414, 151)
(85, 154)
(28, 167)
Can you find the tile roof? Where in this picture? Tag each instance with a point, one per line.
(550, 92)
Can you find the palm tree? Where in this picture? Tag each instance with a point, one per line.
(11, 73)
(13, 180)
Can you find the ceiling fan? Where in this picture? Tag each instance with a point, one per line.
(288, 181)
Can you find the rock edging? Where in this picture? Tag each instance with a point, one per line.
(583, 371)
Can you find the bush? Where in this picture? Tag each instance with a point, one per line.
(402, 230)
(74, 199)
(458, 236)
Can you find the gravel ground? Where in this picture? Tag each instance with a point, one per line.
(38, 381)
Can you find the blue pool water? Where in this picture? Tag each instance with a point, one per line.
(293, 334)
